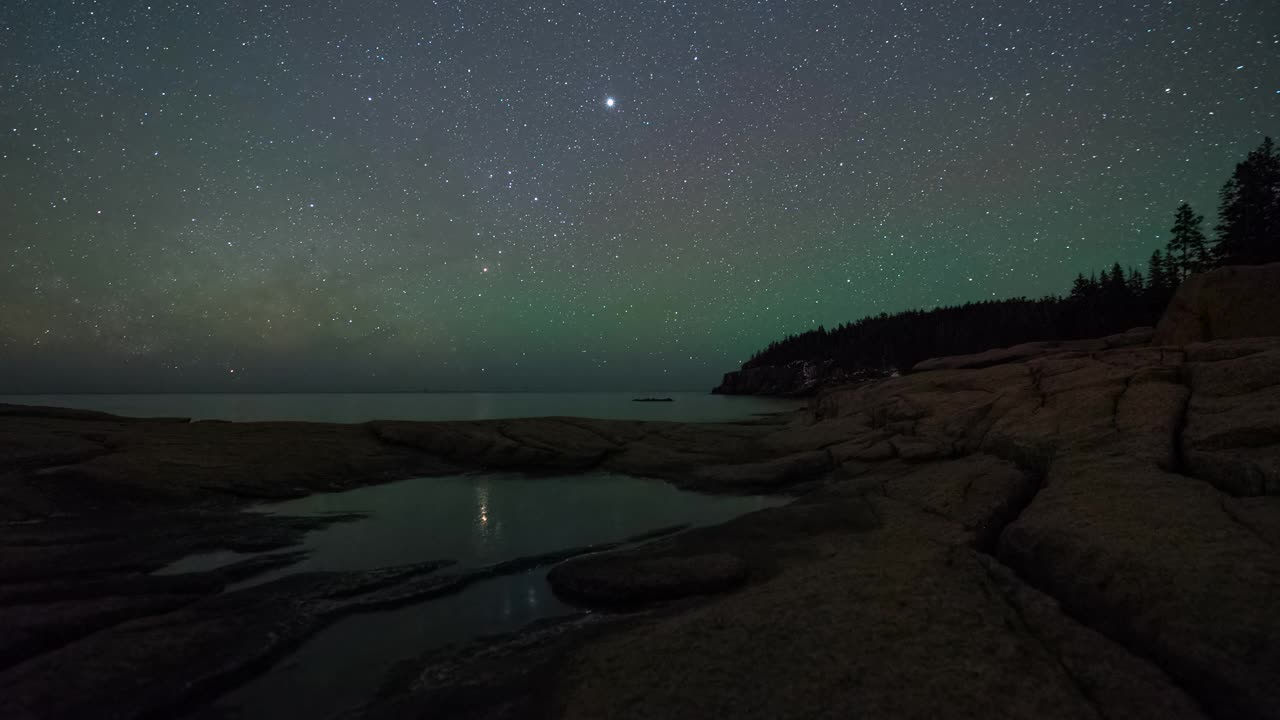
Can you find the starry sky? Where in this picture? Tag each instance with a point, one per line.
(616, 194)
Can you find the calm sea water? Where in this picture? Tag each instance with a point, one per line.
(356, 407)
(476, 520)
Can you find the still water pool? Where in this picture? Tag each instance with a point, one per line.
(474, 519)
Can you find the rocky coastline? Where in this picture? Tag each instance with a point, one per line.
(796, 379)
(1055, 530)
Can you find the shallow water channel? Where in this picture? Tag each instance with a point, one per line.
(474, 519)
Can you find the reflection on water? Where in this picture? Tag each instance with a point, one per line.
(482, 509)
(476, 520)
(486, 518)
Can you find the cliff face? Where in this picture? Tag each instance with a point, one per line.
(795, 378)
(768, 380)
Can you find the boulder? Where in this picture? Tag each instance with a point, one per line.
(1231, 302)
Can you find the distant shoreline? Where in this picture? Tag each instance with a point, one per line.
(364, 392)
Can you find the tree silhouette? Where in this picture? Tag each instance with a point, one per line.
(1080, 287)
(1115, 278)
(1248, 231)
(1134, 283)
(1249, 211)
(1186, 252)
(1157, 274)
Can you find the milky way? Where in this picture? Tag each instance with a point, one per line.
(473, 195)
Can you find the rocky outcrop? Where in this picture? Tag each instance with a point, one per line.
(69, 463)
(1080, 532)
(1057, 530)
(644, 578)
(767, 380)
(793, 379)
(1026, 351)
(1230, 302)
(1232, 433)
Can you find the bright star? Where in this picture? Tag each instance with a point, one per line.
(608, 102)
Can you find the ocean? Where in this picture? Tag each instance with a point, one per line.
(361, 407)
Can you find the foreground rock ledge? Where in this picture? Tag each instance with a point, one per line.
(1071, 530)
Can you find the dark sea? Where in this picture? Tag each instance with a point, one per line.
(359, 407)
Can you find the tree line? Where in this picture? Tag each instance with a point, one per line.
(1106, 302)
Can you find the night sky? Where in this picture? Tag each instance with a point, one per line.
(361, 195)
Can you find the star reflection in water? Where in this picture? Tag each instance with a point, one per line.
(487, 527)
(482, 507)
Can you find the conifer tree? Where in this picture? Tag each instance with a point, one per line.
(1113, 287)
(1134, 282)
(1172, 273)
(1080, 287)
(1186, 249)
(1248, 229)
(1157, 280)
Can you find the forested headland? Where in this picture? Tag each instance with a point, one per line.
(1104, 302)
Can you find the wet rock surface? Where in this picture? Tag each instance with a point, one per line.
(1048, 531)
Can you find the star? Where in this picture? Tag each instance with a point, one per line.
(386, 174)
